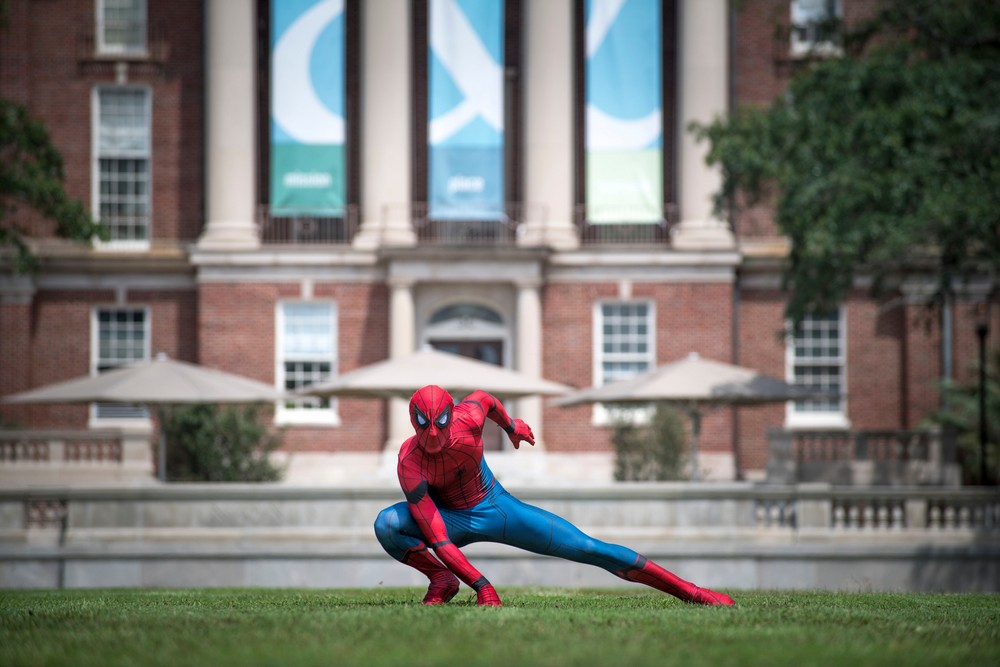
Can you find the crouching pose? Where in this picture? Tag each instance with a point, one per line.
(452, 499)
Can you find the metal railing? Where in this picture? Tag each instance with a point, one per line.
(278, 228)
(620, 226)
(617, 227)
(501, 229)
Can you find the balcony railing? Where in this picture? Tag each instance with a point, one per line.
(499, 230)
(618, 226)
(859, 458)
(291, 229)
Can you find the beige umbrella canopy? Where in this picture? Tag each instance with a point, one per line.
(693, 383)
(160, 382)
(400, 377)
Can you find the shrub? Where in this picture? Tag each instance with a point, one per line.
(961, 417)
(209, 444)
(656, 451)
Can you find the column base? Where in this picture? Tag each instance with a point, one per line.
(374, 234)
(229, 235)
(538, 234)
(702, 235)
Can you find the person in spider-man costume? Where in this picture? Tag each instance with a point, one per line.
(452, 499)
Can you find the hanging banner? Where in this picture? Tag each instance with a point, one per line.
(466, 133)
(624, 128)
(307, 107)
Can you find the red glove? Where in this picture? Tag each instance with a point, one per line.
(518, 432)
(487, 597)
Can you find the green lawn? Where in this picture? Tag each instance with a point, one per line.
(536, 627)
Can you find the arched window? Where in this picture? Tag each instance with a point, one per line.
(466, 312)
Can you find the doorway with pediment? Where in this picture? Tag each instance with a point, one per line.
(474, 329)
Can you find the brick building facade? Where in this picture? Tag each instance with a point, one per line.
(206, 271)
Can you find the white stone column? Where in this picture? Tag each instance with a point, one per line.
(402, 341)
(703, 73)
(386, 109)
(548, 132)
(529, 350)
(230, 142)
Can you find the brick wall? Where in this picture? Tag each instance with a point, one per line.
(237, 334)
(689, 318)
(762, 348)
(51, 342)
(45, 67)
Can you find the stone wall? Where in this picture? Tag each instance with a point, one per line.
(729, 536)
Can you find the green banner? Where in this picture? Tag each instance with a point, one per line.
(307, 107)
(624, 126)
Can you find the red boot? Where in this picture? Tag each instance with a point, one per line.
(444, 584)
(705, 596)
(645, 571)
(443, 588)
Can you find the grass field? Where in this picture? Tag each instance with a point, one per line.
(536, 627)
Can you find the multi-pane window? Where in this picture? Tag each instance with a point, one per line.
(307, 354)
(122, 179)
(121, 336)
(625, 348)
(812, 26)
(817, 360)
(121, 26)
(624, 345)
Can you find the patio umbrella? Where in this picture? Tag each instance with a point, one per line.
(160, 382)
(693, 383)
(401, 376)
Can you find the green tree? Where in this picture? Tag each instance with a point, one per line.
(209, 444)
(31, 173)
(882, 161)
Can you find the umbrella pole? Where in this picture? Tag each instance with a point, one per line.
(695, 430)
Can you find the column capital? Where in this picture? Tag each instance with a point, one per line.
(528, 282)
(400, 282)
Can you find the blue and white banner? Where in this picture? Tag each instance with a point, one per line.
(307, 107)
(466, 114)
(624, 127)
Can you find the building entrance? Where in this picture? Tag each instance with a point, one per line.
(490, 352)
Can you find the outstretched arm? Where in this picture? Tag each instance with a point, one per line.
(492, 408)
(425, 512)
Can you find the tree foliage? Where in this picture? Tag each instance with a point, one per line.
(882, 161)
(209, 444)
(31, 173)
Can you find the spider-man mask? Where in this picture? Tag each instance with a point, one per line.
(430, 414)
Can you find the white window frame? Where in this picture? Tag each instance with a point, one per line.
(140, 416)
(140, 48)
(818, 419)
(285, 415)
(601, 415)
(146, 153)
(798, 16)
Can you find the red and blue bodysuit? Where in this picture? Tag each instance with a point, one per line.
(453, 499)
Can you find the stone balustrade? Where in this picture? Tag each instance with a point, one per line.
(89, 457)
